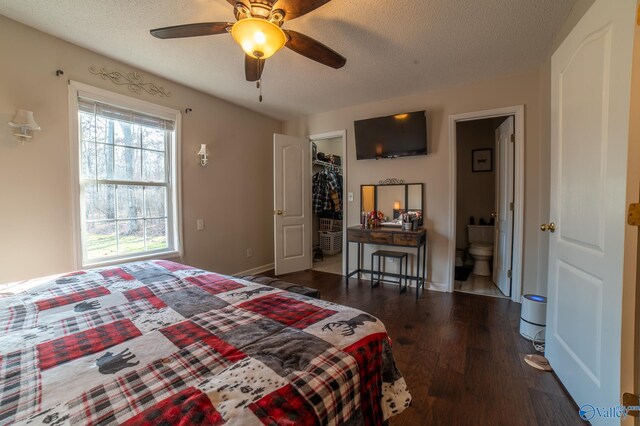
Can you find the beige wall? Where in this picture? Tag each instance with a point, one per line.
(330, 146)
(476, 192)
(433, 169)
(233, 194)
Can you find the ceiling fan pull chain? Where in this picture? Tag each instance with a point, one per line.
(259, 84)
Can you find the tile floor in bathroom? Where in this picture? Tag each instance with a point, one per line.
(478, 284)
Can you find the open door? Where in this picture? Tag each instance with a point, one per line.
(503, 241)
(590, 98)
(291, 204)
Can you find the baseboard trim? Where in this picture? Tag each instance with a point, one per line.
(439, 287)
(257, 270)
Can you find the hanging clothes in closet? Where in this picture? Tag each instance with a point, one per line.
(327, 194)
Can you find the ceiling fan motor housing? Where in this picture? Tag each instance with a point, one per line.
(258, 9)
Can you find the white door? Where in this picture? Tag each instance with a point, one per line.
(590, 94)
(503, 241)
(291, 204)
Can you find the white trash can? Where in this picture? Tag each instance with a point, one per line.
(533, 317)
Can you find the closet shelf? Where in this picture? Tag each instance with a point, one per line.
(332, 166)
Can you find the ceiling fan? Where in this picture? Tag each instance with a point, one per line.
(259, 33)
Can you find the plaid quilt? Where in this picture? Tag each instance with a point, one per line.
(157, 342)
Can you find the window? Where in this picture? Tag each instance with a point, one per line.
(127, 189)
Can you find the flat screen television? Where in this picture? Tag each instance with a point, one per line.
(398, 135)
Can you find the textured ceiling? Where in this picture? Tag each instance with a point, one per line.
(393, 48)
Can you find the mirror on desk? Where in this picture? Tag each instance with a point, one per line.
(392, 199)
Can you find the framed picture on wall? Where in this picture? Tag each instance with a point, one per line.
(482, 160)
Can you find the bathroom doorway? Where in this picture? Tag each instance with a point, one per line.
(328, 157)
(487, 220)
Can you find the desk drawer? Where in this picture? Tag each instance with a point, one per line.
(381, 238)
(405, 240)
(357, 236)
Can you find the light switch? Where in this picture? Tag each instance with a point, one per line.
(200, 224)
(350, 197)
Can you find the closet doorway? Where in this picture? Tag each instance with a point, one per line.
(328, 201)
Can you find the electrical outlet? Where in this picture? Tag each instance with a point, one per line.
(249, 252)
(200, 224)
(350, 196)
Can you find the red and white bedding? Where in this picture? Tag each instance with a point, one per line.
(162, 343)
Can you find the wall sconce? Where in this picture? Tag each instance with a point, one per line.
(204, 158)
(23, 120)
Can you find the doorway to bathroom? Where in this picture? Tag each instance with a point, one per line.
(485, 185)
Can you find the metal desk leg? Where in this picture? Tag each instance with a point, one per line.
(418, 272)
(359, 261)
(371, 270)
(347, 264)
(400, 278)
(406, 273)
(424, 266)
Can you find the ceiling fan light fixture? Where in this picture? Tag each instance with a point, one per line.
(258, 37)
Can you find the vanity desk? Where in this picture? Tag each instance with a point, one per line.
(390, 236)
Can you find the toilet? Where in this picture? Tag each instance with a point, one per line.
(481, 247)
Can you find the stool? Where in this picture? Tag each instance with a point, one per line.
(383, 254)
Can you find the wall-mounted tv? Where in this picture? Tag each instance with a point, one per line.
(398, 135)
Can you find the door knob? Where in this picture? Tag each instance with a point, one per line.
(494, 215)
(550, 227)
(279, 212)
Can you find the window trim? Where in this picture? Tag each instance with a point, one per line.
(175, 212)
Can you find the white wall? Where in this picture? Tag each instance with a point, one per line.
(433, 169)
(233, 194)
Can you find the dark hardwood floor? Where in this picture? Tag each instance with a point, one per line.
(461, 355)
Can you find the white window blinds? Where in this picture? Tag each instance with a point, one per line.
(124, 115)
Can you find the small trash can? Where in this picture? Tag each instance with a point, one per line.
(533, 317)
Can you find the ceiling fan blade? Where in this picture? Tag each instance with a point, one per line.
(295, 8)
(312, 49)
(191, 30)
(253, 68)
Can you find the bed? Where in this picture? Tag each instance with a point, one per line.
(158, 342)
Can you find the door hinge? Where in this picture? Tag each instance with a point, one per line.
(511, 206)
(633, 217)
(632, 403)
(509, 273)
(513, 138)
